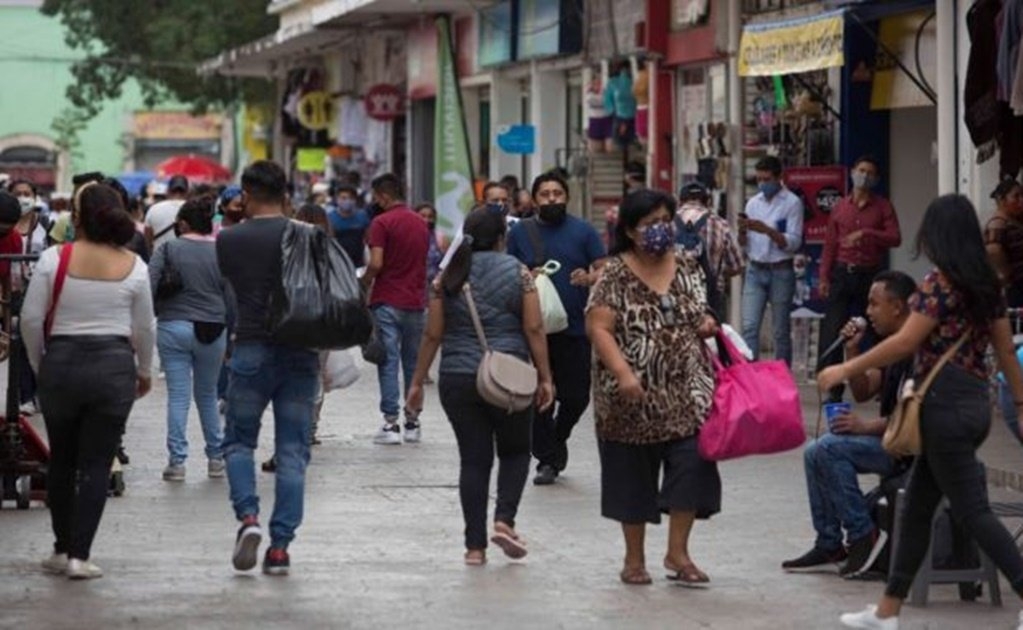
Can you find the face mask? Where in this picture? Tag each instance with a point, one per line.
(432, 225)
(346, 205)
(658, 239)
(28, 204)
(553, 213)
(863, 181)
(496, 208)
(770, 189)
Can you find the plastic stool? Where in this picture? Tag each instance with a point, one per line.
(928, 575)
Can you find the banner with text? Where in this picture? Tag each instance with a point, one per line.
(452, 165)
(797, 45)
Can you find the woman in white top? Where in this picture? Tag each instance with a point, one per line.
(86, 364)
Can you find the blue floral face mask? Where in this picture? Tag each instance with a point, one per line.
(658, 239)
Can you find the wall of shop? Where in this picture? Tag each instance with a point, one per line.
(913, 180)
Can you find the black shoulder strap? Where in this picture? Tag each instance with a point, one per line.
(164, 230)
(533, 231)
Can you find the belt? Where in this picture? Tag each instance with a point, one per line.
(858, 269)
(781, 264)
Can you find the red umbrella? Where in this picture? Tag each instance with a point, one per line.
(198, 169)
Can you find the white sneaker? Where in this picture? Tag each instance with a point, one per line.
(174, 472)
(390, 433)
(83, 570)
(56, 564)
(867, 619)
(413, 433)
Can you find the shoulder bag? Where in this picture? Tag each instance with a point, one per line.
(902, 435)
(58, 287)
(503, 380)
(170, 283)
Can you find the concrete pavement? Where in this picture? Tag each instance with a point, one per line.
(381, 547)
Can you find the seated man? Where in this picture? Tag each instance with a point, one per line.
(853, 444)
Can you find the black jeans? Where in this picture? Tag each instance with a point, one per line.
(954, 421)
(571, 358)
(86, 391)
(478, 425)
(848, 298)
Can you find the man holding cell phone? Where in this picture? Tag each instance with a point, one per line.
(771, 231)
(852, 444)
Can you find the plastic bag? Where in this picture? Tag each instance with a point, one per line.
(319, 304)
(555, 318)
(341, 370)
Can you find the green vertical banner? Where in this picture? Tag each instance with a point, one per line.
(453, 177)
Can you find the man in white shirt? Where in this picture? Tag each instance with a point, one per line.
(162, 216)
(771, 231)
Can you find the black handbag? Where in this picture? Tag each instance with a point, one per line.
(170, 283)
(319, 304)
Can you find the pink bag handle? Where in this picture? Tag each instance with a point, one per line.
(734, 356)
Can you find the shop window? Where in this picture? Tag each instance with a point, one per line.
(495, 35)
(763, 6)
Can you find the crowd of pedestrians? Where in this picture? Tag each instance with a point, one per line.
(638, 310)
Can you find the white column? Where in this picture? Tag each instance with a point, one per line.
(948, 98)
(505, 109)
(548, 93)
(736, 194)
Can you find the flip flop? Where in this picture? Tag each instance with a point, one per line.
(512, 547)
(688, 575)
(635, 577)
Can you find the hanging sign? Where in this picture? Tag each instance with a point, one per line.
(797, 45)
(385, 102)
(517, 139)
(316, 111)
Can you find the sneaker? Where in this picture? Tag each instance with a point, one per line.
(390, 433)
(56, 564)
(270, 465)
(246, 546)
(815, 559)
(862, 554)
(174, 472)
(216, 468)
(545, 475)
(83, 570)
(867, 619)
(412, 431)
(276, 562)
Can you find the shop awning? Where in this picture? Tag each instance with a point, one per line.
(792, 45)
(260, 58)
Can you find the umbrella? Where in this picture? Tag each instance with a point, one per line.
(197, 168)
(134, 181)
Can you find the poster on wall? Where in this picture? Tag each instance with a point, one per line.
(820, 188)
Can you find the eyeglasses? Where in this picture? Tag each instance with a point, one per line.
(668, 306)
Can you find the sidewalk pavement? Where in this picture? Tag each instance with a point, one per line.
(381, 547)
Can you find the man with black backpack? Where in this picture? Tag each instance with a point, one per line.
(703, 235)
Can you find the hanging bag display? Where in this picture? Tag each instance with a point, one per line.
(503, 380)
(902, 435)
(756, 408)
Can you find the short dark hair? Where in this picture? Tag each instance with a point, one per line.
(389, 184)
(178, 183)
(197, 212)
(549, 176)
(1004, 187)
(10, 209)
(313, 214)
(346, 188)
(769, 163)
(264, 181)
(489, 185)
(900, 285)
(869, 159)
(102, 216)
(510, 182)
(634, 207)
(20, 181)
(483, 230)
(694, 191)
(635, 169)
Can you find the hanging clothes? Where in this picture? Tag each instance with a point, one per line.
(1016, 98)
(1008, 47)
(353, 122)
(980, 90)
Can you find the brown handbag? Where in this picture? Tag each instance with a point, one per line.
(503, 380)
(902, 435)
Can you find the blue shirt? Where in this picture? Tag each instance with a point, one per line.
(576, 245)
(783, 212)
(350, 233)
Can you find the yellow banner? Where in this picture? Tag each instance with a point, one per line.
(908, 39)
(798, 45)
(177, 126)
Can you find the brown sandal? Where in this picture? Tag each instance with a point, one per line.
(687, 575)
(475, 557)
(635, 576)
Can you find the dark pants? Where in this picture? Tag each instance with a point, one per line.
(570, 359)
(478, 425)
(848, 298)
(954, 421)
(86, 391)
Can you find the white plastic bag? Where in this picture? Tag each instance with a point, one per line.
(341, 370)
(735, 338)
(555, 318)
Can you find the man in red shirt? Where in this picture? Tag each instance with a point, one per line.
(399, 243)
(861, 230)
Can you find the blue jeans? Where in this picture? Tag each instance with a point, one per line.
(1008, 407)
(832, 463)
(401, 332)
(192, 369)
(264, 373)
(776, 286)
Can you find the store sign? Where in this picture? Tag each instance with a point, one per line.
(316, 111)
(452, 166)
(820, 188)
(385, 102)
(517, 139)
(310, 160)
(798, 45)
(176, 126)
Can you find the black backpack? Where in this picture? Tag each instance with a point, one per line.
(689, 239)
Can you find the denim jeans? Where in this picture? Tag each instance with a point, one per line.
(401, 332)
(264, 373)
(776, 286)
(192, 369)
(831, 463)
(1008, 407)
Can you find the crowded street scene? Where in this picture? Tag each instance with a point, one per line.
(510, 313)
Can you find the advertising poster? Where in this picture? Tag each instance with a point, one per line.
(820, 188)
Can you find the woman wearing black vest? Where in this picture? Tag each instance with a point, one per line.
(509, 309)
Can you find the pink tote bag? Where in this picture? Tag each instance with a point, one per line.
(756, 408)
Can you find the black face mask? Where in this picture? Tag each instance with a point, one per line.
(432, 225)
(553, 213)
